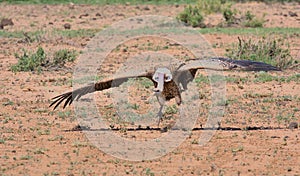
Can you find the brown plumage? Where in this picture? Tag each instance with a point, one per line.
(173, 77)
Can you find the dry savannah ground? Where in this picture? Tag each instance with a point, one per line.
(256, 135)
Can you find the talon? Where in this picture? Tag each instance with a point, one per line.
(160, 119)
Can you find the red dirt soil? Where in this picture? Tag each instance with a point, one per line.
(35, 140)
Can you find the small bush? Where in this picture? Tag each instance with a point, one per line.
(38, 60)
(266, 1)
(31, 61)
(192, 16)
(271, 51)
(171, 109)
(212, 6)
(252, 21)
(62, 56)
(229, 15)
(249, 16)
(256, 23)
(245, 20)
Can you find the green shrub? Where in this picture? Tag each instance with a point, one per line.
(256, 23)
(267, 1)
(192, 16)
(64, 55)
(212, 6)
(249, 16)
(252, 21)
(269, 50)
(38, 60)
(171, 109)
(229, 15)
(31, 61)
(246, 20)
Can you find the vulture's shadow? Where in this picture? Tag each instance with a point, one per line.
(165, 129)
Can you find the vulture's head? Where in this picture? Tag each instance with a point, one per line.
(161, 76)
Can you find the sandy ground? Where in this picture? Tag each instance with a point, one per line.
(254, 138)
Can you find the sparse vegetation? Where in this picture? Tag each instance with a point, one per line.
(192, 15)
(258, 109)
(272, 51)
(102, 2)
(284, 32)
(212, 6)
(244, 20)
(133, 2)
(171, 109)
(228, 15)
(28, 61)
(64, 55)
(252, 21)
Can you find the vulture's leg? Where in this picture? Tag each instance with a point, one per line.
(161, 101)
(160, 115)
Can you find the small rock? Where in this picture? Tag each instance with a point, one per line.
(98, 14)
(293, 14)
(240, 87)
(51, 80)
(72, 5)
(275, 137)
(84, 15)
(50, 23)
(164, 130)
(293, 125)
(45, 7)
(120, 14)
(202, 25)
(146, 8)
(209, 25)
(67, 26)
(6, 22)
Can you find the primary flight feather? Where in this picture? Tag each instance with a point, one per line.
(166, 80)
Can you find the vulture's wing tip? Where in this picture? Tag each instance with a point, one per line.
(247, 65)
(60, 98)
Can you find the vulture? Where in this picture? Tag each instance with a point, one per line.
(169, 82)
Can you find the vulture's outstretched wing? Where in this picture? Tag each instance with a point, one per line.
(227, 64)
(99, 86)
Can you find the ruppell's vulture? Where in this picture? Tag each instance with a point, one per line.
(169, 82)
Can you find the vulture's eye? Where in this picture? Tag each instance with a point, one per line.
(168, 78)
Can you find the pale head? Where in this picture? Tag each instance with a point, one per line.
(160, 76)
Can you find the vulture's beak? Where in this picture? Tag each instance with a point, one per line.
(160, 82)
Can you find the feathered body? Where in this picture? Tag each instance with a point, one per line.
(175, 79)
